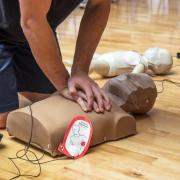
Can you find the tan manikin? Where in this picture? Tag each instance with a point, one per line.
(134, 93)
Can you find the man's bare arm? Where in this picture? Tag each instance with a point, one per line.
(42, 40)
(92, 26)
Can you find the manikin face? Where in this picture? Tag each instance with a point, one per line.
(159, 60)
(135, 93)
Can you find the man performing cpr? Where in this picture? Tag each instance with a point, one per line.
(30, 57)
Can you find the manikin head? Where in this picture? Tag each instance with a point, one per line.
(135, 93)
(159, 60)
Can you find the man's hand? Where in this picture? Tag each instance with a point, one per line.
(79, 99)
(81, 86)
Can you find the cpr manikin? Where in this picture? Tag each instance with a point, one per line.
(157, 60)
(53, 115)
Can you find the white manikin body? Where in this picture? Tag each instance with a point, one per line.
(158, 60)
(118, 62)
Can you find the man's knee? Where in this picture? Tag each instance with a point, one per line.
(3, 119)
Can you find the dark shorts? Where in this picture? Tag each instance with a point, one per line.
(19, 72)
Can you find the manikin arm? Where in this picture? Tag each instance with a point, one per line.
(139, 69)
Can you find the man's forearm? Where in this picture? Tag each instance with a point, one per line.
(46, 51)
(92, 26)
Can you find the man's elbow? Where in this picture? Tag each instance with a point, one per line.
(26, 24)
(30, 24)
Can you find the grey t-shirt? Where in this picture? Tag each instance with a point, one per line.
(10, 29)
